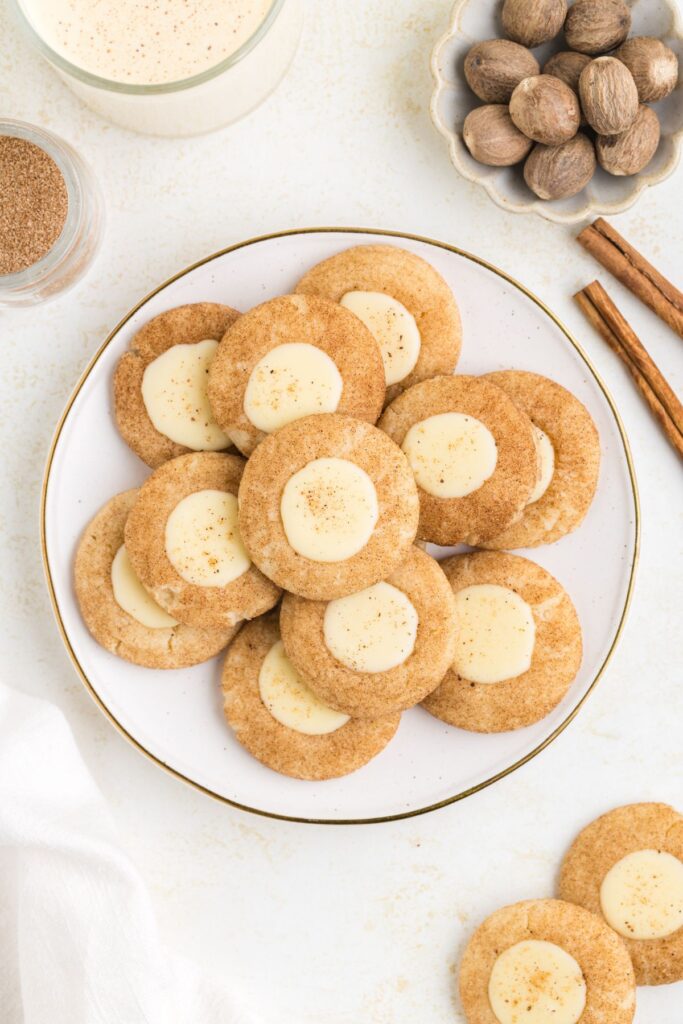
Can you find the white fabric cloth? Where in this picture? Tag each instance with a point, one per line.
(78, 939)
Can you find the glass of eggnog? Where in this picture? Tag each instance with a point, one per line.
(166, 67)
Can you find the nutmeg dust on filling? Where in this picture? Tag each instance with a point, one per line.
(202, 539)
(329, 509)
(372, 631)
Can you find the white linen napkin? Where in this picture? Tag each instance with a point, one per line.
(78, 939)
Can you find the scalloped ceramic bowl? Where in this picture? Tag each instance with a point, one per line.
(475, 20)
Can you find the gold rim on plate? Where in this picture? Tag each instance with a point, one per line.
(457, 796)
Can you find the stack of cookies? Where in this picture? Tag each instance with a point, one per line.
(304, 455)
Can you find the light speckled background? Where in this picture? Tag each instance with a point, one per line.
(344, 925)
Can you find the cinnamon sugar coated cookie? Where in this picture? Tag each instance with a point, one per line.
(569, 451)
(518, 648)
(378, 651)
(184, 543)
(473, 455)
(280, 722)
(327, 506)
(160, 384)
(403, 300)
(627, 866)
(546, 962)
(290, 357)
(119, 613)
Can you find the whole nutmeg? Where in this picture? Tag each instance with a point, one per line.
(495, 67)
(595, 26)
(492, 138)
(631, 151)
(558, 172)
(653, 65)
(609, 97)
(532, 22)
(567, 66)
(545, 109)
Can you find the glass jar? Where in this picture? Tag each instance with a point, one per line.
(206, 101)
(77, 244)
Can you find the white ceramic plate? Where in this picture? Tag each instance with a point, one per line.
(452, 100)
(175, 717)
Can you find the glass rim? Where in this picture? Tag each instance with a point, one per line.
(133, 89)
(61, 153)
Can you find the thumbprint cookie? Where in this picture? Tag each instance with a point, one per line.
(120, 614)
(472, 452)
(380, 650)
(543, 961)
(184, 543)
(518, 644)
(403, 300)
(291, 357)
(327, 506)
(569, 453)
(282, 723)
(160, 384)
(628, 866)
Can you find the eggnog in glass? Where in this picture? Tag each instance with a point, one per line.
(167, 67)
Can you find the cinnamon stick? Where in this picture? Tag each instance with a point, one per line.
(638, 275)
(604, 316)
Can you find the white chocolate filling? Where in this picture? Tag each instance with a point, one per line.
(393, 327)
(289, 382)
(203, 542)
(174, 394)
(546, 460)
(536, 982)
(289, 701)
(329, 510)
(371, 631)
(451, 454)
(496, 634)
(642, 895)
(131, 596)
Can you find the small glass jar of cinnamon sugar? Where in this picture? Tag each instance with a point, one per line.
(51, 215)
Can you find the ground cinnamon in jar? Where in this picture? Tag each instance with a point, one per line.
(33, 203)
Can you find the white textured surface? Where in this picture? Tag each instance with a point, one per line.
(333, 926)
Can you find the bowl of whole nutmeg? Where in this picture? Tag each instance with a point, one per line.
(568, 110)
